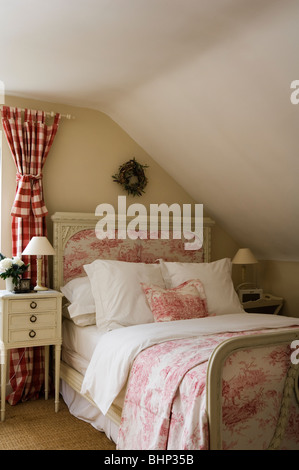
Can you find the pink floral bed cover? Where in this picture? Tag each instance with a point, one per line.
(165, 365)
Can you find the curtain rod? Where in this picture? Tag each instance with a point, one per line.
(51, 113)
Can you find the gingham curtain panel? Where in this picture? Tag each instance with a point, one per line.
(30, 141)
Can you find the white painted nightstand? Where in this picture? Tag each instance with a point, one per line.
(267, 304)
(26, 320)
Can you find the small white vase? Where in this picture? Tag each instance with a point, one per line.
(9, 285)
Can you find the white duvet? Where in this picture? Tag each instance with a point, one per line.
(116, 350)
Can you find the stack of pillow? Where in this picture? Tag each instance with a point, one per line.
(118, 293)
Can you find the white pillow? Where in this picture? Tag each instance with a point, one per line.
(119, 298)
(82, 320)
(78, 293)
(216, 278)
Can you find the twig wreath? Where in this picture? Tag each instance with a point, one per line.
(131, 177)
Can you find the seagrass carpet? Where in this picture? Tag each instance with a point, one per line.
(34, 425)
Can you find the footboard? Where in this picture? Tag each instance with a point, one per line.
(252, 393)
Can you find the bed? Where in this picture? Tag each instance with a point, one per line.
(158, 352)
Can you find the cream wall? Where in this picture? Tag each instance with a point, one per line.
(86, 152)
(282, 279)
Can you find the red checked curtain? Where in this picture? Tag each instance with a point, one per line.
(30, 140)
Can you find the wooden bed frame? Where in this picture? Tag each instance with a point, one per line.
(66, 225)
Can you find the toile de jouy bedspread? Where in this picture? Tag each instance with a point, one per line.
(165, 404)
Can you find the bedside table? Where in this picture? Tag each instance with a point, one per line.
(267, 304)
(28, 320)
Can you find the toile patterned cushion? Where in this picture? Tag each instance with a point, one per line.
(186, 301)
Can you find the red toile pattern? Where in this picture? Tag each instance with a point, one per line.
(84, 247)
(183, 302)
(166, 397)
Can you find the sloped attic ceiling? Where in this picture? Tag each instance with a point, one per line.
(202, 85)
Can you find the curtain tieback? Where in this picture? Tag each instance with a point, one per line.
(27, 177)
(29, 196)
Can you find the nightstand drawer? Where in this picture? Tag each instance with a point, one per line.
(32, 305)
(31, 320)
(32, 334)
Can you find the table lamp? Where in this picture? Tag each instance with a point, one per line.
(39, 247)
(244, 256)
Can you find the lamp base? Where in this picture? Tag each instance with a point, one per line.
(40, 288)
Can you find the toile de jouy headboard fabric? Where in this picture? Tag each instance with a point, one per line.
(76, 244)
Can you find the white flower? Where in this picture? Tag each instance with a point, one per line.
(17, 260)
(5, 264)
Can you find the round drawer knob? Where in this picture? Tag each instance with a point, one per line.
(33, 304)
(33, 318)
(32, 334)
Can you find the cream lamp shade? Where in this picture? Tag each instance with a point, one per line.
(244, 256)
(39, 246)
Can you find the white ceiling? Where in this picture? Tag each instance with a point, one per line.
(202, 85)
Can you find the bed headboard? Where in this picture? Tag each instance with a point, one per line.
(76, 244)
